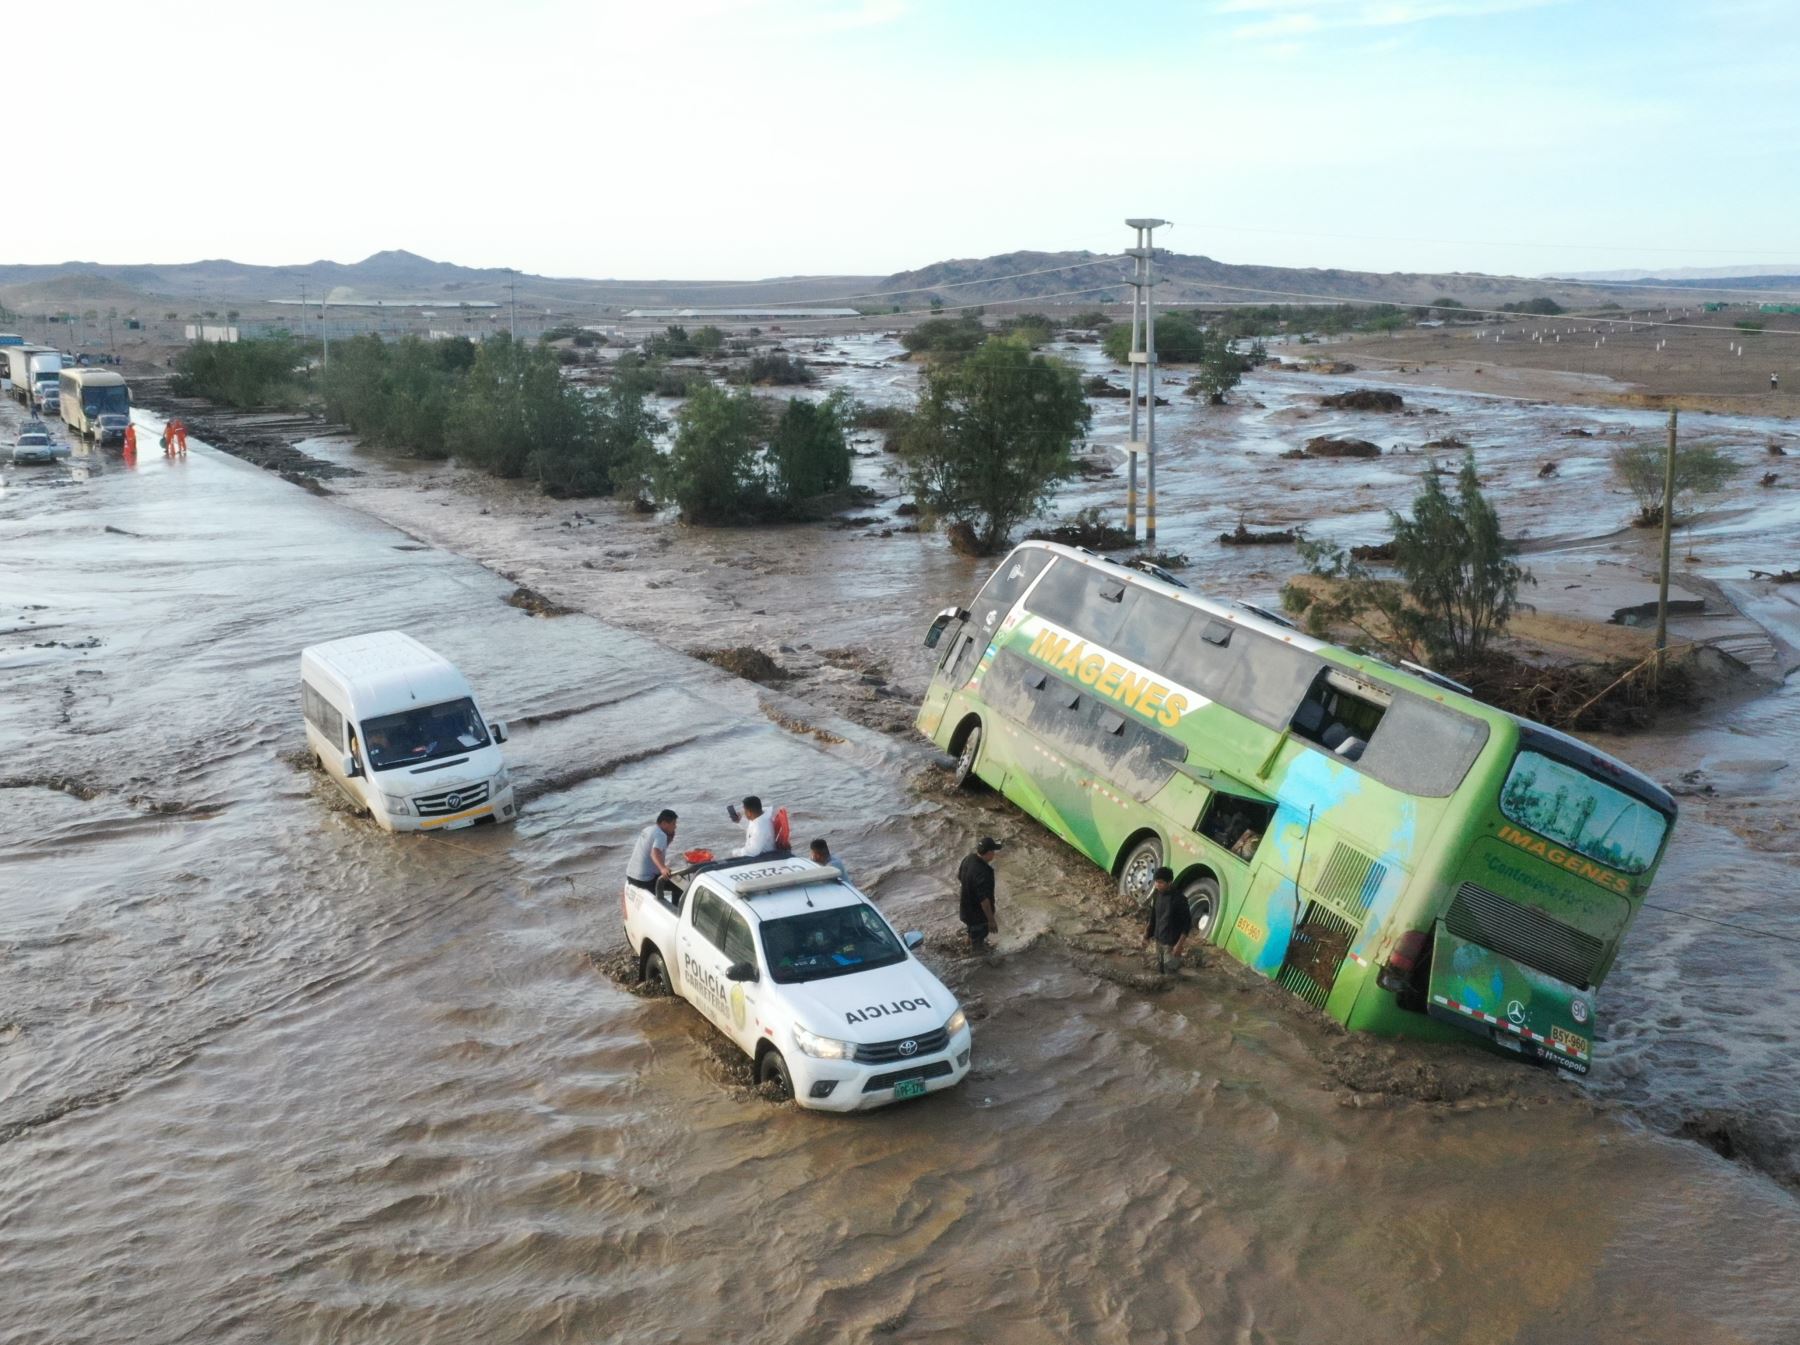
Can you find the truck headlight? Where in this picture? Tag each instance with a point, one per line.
(500, 781)
(823, 1048)
(958, 1021)
(395, 804)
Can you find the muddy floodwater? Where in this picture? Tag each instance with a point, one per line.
(268, 1073)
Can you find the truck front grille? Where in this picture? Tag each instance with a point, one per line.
(885, 1052)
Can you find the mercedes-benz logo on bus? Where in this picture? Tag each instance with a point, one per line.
(909, 1047)
(1515, 1012)
(453, 801)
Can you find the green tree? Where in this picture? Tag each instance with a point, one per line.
(714, 471)
(1458, 566)
(512, 403)
(808, 455)
(945, 336)
(1179, 340)
(264, 372)
(1700, 469)
(1221, 370)
(991, 437)
(612, 452)
(709, 340)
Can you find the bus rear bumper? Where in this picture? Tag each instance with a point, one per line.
(1516, 1008)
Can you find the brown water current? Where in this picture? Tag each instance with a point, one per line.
(270, 1074)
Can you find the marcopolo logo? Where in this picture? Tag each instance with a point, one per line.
(887, 1010)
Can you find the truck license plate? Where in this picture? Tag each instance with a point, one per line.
(910, 1088)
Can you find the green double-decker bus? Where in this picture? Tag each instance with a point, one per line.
(1403, 857)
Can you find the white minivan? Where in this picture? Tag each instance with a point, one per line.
(396, 727)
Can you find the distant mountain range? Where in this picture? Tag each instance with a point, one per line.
(1746, 273)
(1012, 277)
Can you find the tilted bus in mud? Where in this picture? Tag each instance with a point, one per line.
(1402, 856)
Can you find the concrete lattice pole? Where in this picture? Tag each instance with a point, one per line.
(1143, 355)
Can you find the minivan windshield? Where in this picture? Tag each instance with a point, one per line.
(817, 944)
(426, 734)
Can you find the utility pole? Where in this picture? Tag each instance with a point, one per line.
(324, 332)
(512, 281)
(1668, 529)
(1143, 355)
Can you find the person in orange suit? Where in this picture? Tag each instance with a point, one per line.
(178, 437)
(131, 443)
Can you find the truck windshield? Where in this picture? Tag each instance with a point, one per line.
(101, 401)
(818, 944)
(1572, 808)
(427, 734)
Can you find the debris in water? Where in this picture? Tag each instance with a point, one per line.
(1331, 446)
(530, 600)
(746, 661)
(1363, 399)
(1242, 536)
(799, 726)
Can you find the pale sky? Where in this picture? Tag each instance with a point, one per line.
(749, 138)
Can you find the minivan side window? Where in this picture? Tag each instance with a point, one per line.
(321, 713)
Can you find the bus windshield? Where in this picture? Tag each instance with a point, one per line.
(1572, 808)
(114, 400)
(835, 942)
(430, 733)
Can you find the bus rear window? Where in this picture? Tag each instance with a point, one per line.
(1572, 808)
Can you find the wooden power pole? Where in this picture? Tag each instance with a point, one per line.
(1668, 530)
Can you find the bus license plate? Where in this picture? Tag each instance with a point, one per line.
(909, 1088)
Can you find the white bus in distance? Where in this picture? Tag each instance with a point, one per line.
(396, 727)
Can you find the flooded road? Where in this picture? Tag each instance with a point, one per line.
(268, 1073)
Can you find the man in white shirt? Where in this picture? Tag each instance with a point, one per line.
(759, 829)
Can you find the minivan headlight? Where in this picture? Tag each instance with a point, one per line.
(958, 1021)
(501, 780)
(822, 1048)
(395, 804)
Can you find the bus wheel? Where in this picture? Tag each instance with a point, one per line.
(1138, 871)
(1203, 903)
(965, 777)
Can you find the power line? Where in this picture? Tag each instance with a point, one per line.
(1723, 924)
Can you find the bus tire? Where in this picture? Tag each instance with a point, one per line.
(771, 1068)
(654, 972)
(968, 759)
(1137, 872)
(1202, 893)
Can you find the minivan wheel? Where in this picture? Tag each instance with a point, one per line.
(656, 973)
(772, 1069)
(965, 777)
(1138, 873)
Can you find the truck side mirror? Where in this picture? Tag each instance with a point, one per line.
(498, 729)
(912, 938)
(741, 971)
(351, 769)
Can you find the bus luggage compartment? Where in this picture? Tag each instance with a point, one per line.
(1518, 1008)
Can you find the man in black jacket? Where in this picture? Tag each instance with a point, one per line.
(975, 883)
(1170, 919)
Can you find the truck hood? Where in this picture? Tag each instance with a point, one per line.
(903, 1000)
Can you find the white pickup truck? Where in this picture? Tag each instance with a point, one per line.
(801, 971)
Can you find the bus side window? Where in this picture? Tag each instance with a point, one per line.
(1236, 824)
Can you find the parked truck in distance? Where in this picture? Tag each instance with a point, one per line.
(96, 404)
(32, 373)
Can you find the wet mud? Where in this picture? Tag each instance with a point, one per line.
(275, 1074)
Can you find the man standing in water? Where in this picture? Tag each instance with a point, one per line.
(1170, 920)
(975, 883)
(650, 856)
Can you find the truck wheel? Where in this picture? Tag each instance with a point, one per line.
(772, 1069)
(655, 974)
(1138, 873)
(965, 777)
(1203, 903)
